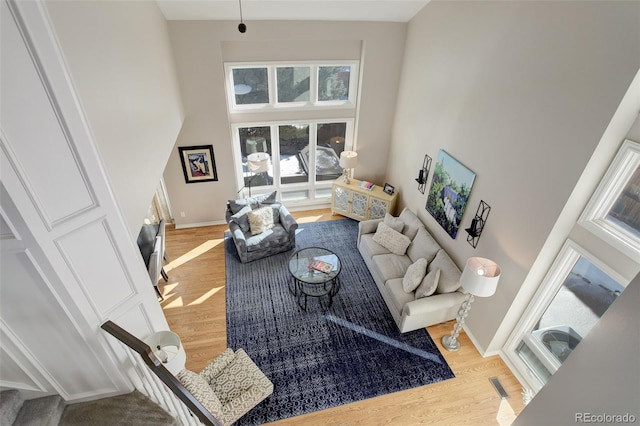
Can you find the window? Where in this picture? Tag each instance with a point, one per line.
(333, 83)
(250, 86)
(303, 160)
(303, 149)
(614, 211)
(577, 290)
(304, 85)
(293, 84)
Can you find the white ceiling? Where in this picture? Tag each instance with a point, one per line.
(305, 10)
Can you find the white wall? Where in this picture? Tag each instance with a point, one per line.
(606, 361)
(200, 47)
(121, 63)
(521, 93)
(68, 261)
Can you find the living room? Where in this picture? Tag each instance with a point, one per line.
(521, 93)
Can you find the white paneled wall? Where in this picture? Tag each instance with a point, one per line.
(68, 261)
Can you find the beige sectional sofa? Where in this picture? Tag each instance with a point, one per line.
(388, 264)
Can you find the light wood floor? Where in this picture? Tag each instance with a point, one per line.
(195, 309)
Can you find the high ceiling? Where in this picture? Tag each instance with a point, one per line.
(305, 10)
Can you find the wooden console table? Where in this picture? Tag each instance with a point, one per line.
(360, 204)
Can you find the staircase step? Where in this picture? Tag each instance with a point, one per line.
(132, 409)
(45, 411)
(10, 403)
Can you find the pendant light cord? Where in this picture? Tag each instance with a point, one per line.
(240, 3)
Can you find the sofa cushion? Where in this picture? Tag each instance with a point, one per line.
(200, 389)
(370, 247)
(392, 240)
(275, 236)
(260, 220)
(390, 266)
(423, 246)
(253, 202)
(414, 275)
(241, 218)
(449, 273)
(397, 295)
(394, 223)
(428, 284)
(411, 223)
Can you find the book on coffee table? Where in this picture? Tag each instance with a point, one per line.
(321, 265)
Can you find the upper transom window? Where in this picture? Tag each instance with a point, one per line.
(297, 85)
(613, 213)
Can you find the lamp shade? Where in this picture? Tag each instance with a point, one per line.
(480, 276)
(258, 162)
(168, 349)
(348, 159)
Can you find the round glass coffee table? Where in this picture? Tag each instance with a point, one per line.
(315, 273)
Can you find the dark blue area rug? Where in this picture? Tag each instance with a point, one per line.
(320, 359)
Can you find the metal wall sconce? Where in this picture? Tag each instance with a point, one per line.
(477, 224)
(423, 174)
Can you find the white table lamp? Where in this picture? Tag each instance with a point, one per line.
(348, 160)
(167, 347)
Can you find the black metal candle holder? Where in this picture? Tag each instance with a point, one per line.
(477, 223)
(423, 173)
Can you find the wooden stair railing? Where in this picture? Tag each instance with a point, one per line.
(155, 365)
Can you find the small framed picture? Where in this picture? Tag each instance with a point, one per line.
(389, 189)
(198, 163)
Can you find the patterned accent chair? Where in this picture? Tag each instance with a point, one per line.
(280, 237)
(229, 386)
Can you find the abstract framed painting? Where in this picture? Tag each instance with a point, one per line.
(198, 163)
(450, 188)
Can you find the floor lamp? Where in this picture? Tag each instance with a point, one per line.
(479, 278)
(257, 162)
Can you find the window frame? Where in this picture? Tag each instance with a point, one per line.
(272, 84)
(555, 278)
(594, 216)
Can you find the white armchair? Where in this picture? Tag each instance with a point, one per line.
(230, 386)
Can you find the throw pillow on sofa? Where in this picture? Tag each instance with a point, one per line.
(242, 218)
(428, 284)
(392, 240)
(260, 220)
(414, 275)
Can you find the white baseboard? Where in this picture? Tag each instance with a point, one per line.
(291, 208)
(479, 348)
(200, 224)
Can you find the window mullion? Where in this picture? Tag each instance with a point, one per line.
(313, 85)
(271, 82)
(313, 143)
(275, 152)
